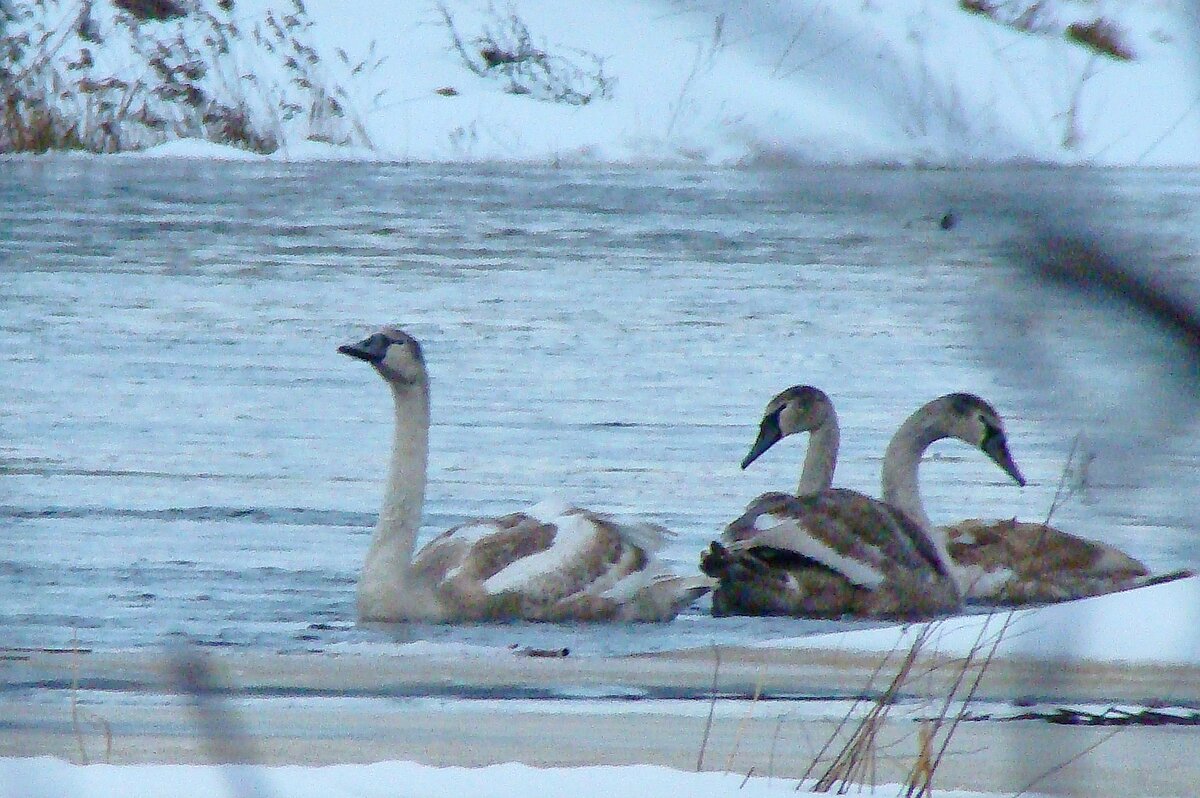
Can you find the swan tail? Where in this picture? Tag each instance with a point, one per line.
(1170, 576)
(667, 595)
(648, 537)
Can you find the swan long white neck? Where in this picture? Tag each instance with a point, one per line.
(388, 566)
(899, 486)
(821, 459)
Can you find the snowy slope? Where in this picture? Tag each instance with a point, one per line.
(902, 82)
(906, 81)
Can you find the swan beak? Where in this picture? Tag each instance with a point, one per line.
(996, 447)
(372, 349)
(768, 436)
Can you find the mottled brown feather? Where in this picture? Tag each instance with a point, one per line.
(460, 565)
(1046, 564)
(765, 581)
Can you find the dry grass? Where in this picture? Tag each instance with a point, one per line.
(135, 74)
(1102, 36)
(81, 717)
(505, 50)
(853, 764)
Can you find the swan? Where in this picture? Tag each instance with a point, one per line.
(552, 562)
(1005, 562)
(1016, 563)
(1010, 562)
(829, 551)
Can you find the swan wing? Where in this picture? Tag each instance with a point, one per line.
(656, 594)
(556, 562)
(481, 548)
(583, 549)
(845, 531)
(1015, 562)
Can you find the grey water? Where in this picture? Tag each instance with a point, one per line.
(182, 451)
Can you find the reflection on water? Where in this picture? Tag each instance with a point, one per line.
(182, 451)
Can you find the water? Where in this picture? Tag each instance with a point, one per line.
(183, 452)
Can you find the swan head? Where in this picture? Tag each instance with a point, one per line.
(801, 408)
(395, 354)
(975, 422)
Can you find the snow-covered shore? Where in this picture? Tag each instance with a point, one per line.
(1103, 652)
(908, 82)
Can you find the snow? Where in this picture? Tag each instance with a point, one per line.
(44, 777)
(1150, 625)
(907, 82)
(1158, 624)
(294, 151)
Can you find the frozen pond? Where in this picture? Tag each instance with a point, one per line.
(182, 450)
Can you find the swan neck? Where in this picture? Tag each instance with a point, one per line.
(821, 460)
(901, 462)
(404, 496)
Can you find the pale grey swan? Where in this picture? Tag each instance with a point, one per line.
(549, 563)
(834, 552)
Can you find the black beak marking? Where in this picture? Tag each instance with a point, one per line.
(768, 436)
(370, 349)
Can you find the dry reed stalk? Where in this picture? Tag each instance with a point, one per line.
(1061, 765)
(774, 744)
(712, 706)
(845, 718)
(76, 723)
(741, 729)
(857, 756)
(81, 716)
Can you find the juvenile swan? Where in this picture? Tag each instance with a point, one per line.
(550, 563)
(1005, 562)
(1011, 562)
(836, 552)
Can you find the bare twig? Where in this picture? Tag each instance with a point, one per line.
(1062, 765)
(712, 706)
(741, 729)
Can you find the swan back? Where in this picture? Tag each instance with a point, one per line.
(829, 554)
(862, 538)
(1013, 563)
(553, 563)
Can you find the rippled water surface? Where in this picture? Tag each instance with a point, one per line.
(182, 450)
